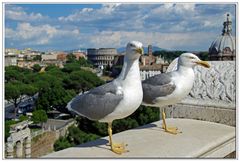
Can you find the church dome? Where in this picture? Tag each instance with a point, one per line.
(223, 42)
(223, 48)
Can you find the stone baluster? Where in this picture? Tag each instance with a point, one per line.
(10, 148)
(19, 150)
(28, 147)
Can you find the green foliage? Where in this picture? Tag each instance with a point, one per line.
(39, 116)
(90, 126)
(75, 137)
(22, 118)
(15, 73)
(71, 58)
(203, 56)
(51, 67)
(61, 143)
(8, 123)
(124, 124)
(82, 80)
(145, 115)
(15, 90)
(36, 67)
(70, 67)
(85, 63)
(37, 58)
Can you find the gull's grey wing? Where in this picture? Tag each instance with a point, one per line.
(98, 102)
(157, 86)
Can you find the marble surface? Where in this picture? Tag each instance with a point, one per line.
(199, 139)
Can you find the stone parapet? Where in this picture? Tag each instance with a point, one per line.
(199, 139)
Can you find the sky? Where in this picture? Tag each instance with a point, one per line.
(172, 26)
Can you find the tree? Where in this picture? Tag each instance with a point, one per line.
(15, 91)
(70, 67)
(15, 73)
(61, 143)
(39, 116)
(37, 58)
(36, 67)
(8, 123)
(22, 118)
(203, 56)
(51, 67)
(82, 81)
(83, 62)
(71, 58)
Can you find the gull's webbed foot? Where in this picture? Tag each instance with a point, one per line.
(172, 130)
(118, 148)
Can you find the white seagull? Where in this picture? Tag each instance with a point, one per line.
(170, 88)
(115, 100)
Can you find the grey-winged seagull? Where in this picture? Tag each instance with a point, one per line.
(115, 100)
(170, 88)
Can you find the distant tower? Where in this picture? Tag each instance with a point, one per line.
(150, 50)
(223, 48)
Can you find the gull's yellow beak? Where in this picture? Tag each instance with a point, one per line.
(203, 63)
(140, 50)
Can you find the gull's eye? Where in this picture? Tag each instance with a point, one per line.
(191, 57)
(131, 45)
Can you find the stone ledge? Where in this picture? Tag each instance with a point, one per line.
(200, 139)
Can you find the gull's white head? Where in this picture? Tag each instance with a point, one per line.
(191, 60)
(134, 50)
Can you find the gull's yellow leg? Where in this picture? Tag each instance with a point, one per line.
(118, 148)
(172, 130)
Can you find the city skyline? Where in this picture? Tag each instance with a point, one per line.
(179, 26)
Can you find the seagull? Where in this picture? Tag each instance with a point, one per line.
(170, 88)
(115, 100)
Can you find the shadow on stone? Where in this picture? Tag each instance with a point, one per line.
(94, 143)
(146, 126)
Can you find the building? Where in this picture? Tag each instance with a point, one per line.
(151, 65)
(49, 57)
(11, 56)
(10, 60)
(223, 48)
(62, 56)
(79, 55)
(102, 56)
(148, 59)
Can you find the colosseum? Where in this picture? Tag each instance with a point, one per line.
(102, 56)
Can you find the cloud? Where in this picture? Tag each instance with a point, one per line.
(172, 41)
(167, 25)
(38, 35)
(17, 13)
(89, 14)
(166, 17)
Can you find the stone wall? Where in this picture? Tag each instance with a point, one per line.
(43, 144)
(213, 96)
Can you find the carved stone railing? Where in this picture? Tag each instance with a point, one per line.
(213, 96)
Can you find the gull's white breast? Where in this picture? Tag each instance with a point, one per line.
(183, 82)
(132, 97)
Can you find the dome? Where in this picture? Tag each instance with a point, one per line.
(223, 48)
(222, 44)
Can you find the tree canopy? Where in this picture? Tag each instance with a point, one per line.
(39, 116)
